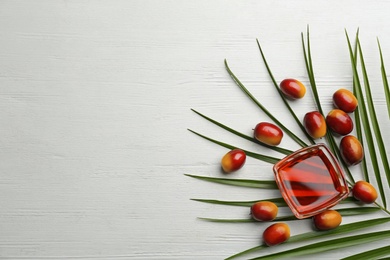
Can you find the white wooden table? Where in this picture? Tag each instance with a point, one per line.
(95, 100)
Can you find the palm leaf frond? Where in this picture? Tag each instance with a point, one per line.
(329, 245)
(373, 117)
(365, 121)
(371, 254)
(344, 212)
(249, 138)
(281, 94)
(238, 182)
(343, 229)
(310, 72)
(258, 156)
(384, 79)
(273, 118)
(367, 127)
(278, 202)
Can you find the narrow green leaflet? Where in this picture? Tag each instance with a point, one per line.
(282, 96)
(346, 228)
(246, 91)
(309, 68)
(358, 125)
(365, 122)
(357, 211)
(310, 72)
(221, 220)
(370, 255)
(359, 136)
(344, 212)
(250, 250)
(249, 138)
(246, 220)
(330, 245)
(382, 208)
(374, 120)
(278, 202)
(349, 199)
(258, 156)
(238, 182)
(386, 89)
(384, 79)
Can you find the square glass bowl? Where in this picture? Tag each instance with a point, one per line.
(310, 180)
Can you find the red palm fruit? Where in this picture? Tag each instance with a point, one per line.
(351, 150)
(276, 234)
(264, 211)
(292, 88)
(328, 219)
(339, 122)
(233, 160)
(345, 100)
(364, 192)
(315, 124)
(268, 133)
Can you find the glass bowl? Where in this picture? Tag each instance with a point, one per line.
(311, 180)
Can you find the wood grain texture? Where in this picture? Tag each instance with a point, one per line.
(95, 101)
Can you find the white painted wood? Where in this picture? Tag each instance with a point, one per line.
(95, 101)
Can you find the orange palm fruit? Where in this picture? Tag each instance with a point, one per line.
(264, 211)
(268, 133)
(351, 150)
(233, 160)
(364, 192)
(292, 88)
(315, 124)
(339, 122)
(328, 219)
(276, 234)
(345, 100)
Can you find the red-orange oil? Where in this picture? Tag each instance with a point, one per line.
(311, 181)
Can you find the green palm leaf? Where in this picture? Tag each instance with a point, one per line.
(365, 118)
(238, 182)
(309, 68)
(358, 125)
(365, 121)
(258, 156)
(384, 79)
(357, 211)
(281, 94)
(344, 212)
(249, 138)
(246, 220)
(371, 254)
(310, 72)
(221, 220)
(374, 120)
(246, 91)
(359, 136)
(330, 245)
(278, 202)
(343, 229)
